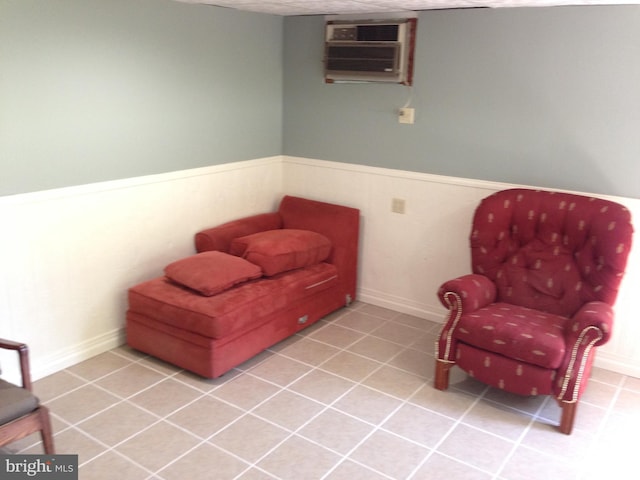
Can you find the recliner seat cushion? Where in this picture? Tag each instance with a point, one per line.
(516, 332)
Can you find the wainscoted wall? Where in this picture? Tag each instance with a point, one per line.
(405, 257)
(69, 255)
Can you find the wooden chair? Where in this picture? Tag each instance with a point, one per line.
(20, 411)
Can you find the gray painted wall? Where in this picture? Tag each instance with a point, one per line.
(94, 90)
(535, 96)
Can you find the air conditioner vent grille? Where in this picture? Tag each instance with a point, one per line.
(382, 59)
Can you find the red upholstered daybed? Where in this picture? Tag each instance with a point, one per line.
(253, 282)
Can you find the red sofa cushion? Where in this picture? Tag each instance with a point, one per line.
(277, 251)
(233, 309)
(211, 272)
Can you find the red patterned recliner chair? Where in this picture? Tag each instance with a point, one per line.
(546, 271)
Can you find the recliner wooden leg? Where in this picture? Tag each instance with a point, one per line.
(441, 381)
(568, 416)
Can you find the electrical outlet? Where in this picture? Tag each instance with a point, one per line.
(406, 115)
(397, 205)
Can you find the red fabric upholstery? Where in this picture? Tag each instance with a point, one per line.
(210, 335)
(211, 272)
(284, 249)
(546, 271)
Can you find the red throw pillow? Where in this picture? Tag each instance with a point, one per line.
(281, 250)
(211, 272)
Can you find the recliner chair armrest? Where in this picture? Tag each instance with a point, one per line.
(473, 291)
(597, 316)
(589, 327)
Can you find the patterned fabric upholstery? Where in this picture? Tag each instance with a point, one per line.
(546, 271)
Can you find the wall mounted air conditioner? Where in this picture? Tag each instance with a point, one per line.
(370, 51)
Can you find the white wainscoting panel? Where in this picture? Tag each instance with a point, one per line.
(69, 255)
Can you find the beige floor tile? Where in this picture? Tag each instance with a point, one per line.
(498, 419)
(606, 376)
(390, 454)
(367, 404)
(130, 353)
(245, 391)
(528, 464)
(99, 366)
(599, 394)
(397, 333)
(280, 370)
(255, 474)
(161, 366)
(613, 455)
(117, 423)
(350, 366)
(480, 449)
(205, 385)
(341, 382)
(451, 403)
(288, 409)
(166, 397)
(205, 461)
(349, 470)
(309, 351)
(104, 466)
(588, 417)
(336, 431)
(378, 311)
(360, 321)
(336, 336)
(425, 343)
(81, 403)
(548, 439)
(205, 416)
(75, 442)
(376, 348)
(631, 383)
(527, 404)
(413, 321)
(255, 360)
(158, 446)
(419, 425)
(414, 361)
(322, 386)
(130, 380)
(59, 383)
(250, 437)
(298, 458)
(392, 381)
(628, 403)
(439, 467)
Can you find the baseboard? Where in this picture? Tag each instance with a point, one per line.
(401, 305)
(614, 363)
(69, 356)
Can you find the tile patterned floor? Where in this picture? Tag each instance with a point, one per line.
(349, 398)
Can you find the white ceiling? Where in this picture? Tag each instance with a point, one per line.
(328, 7)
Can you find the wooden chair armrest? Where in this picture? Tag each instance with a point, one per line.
(23, 353)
